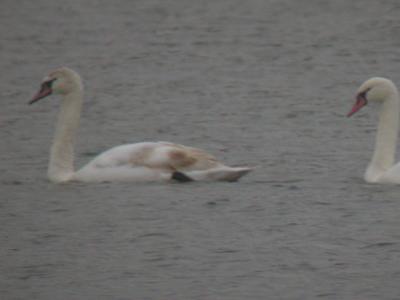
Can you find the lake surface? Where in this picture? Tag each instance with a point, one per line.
(259, 83)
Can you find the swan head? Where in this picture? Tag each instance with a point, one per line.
(59, 81)
(376, 89)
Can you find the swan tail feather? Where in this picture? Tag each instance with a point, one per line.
(219, 174)
(233, 174)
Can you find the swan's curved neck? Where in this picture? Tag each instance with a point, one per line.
(386, 138)
(61, 164)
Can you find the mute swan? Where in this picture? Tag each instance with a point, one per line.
(146, 161)
(381, 90)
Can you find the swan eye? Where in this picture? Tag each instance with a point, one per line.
(49, 83)
(364, 94)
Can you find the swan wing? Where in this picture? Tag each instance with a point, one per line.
(155, 155)
(184, 158)
(157, 161)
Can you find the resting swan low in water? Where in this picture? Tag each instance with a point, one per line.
(147, 161)
(382, 169)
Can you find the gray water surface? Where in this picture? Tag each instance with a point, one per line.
(260, 83)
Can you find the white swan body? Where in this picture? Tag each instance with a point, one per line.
(146, 161)
(382, 168)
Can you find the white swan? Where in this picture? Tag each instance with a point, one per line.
(147, 161)
(381, 90)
